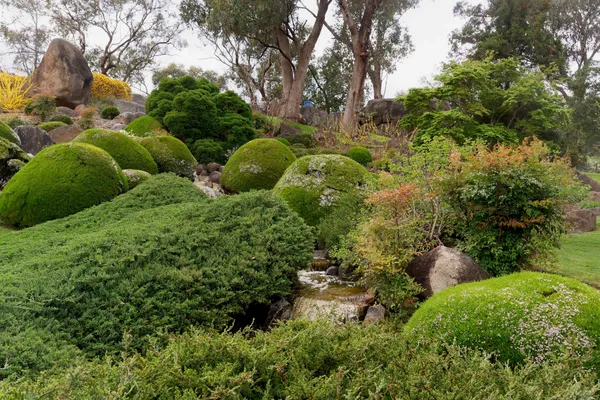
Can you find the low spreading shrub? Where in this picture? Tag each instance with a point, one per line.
(143, 126)
(87, 118)
(50, 125)
(256, 165)
(171, 155)
(41, 105)
(110, 112)
(360, 155)
(60, 180)
(105, 87)
(305, 139)
(7, 133)
(516, 317)
(62, 118)
(126, 151)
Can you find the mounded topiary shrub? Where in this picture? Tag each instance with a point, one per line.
(360, 155)
(143, 126)
(126, 151)
(60, 180)
(256, 165)
(135, 177)
(284, 141)
(7, 133)
(50, 125)
(312, 184)
(526, 314)
(171, 155)
(110, 112)
(62, 118)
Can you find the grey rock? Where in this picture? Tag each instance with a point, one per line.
(346, 273)
(279, 311)
(12, 159)
(65, 111)
(382, 111)
(200, 168)
(138, 98)
(215, 177)
(286, 130)
(63, 73)
(118, 127)
(125, 118)
(375, 315)
(212, 167)
(443, 267)
(221, 169)
(64, 134)
(313, 116)
(202, 173)
(129, 106)
(332, 271)
(581, 220)
(33, 139)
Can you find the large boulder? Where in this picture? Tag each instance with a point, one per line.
(7, 133)
(33, 139)
(129, 106)
(383, 111)
(581, 220)
(443, 267)
(63, 73)
(140, 99)
(12, 159)
(64, 134)
(313, 116)
(589, 181)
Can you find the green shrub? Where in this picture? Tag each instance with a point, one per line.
(110, 112)
(193, 116)
(98, 274)
(171, 155)
(360, 155)
(309, 360)
(41, 105)
(523, 315)
(302, 151)
(305, 139)
(589, 204)
(135, 177)
(127, 152)
(7, 133)
(340, 221)
(62, 118)
(50, 125)
(256, 165)
(15, 122)
(209, 150)
(143, 126)
(313, 184)
(284, 141)
(229, 102)
(60, 180)
(236, 130)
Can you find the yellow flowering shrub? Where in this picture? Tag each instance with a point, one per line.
(13, 91)
(103, 86)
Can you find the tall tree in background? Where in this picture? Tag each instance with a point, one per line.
(177, 71)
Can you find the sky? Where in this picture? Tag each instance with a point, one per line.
(430, 25)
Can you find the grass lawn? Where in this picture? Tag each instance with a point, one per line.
(4, 230)
(594, 175)
(579, 257)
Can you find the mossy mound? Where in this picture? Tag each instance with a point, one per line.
(313, 184)
(126, 151)
(62, 118)
(258, 164)
(171, 155)
(60, 180)
(143, 126)
(7, 133)
(12, 160)
(50, 125)
(360, 155)
(110, 112)
(135, 177)
(522, 315)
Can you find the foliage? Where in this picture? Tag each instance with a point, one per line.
(126, 151)
(230, 103)
(15, 122)
(284, 141)
(144, 270)
(258, 164)
(493, 101)
(13, 92)
(509, 202)
(7, 133)
(305, 139)
(360, 155)
(171, 155)
(60, 180)
(87, 118)
(62, 118)
(525, 315)
(313, 360)
(178, 70)
(135, 177)
(312, 185)
(143, 126)
(106, 87)
(339, 222)
(41, 105)
(110, 112)
(208, 150)
(302, 151)
(236, 130)
(14, 160)
(50, 125)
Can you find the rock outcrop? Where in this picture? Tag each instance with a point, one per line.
(581, 220)
(33, 139)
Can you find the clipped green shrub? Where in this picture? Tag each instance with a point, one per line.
(144, 270)
(110, 112)
(193, 116)
(143, 126)
(62, 118)
(50, 125)
(135, 177)
(229, 102)
(127, 152)
(171, 155)
(284, 141)
(236, 130)
(313, 184)
(360, 155)
(209, 150)
(305, 139)
(7, 133)
(256, 165)
(518, 316)
(60, 180)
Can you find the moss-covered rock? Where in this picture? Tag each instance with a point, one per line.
(256, 165)
(50, 125)
(135, 177)
(313, 184)
(12, 159)
(143, 126)
(7, 133)
(522, 315)
(60, 180)
(360, 155)
(126, 151)
(171, 155)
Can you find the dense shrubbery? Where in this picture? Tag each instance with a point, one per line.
(360, 155)
(105, 87)
(208, 150)
(60, 180)
(41, 105)
(256, 165)
(143, 265)
(171, 155)
(519, 316)
(15, 122)
(312, 360)
(62, 118)
(50, 125)
(127, 152)
(305, 139)
(143, 126)
(7, 133)
(110, 112)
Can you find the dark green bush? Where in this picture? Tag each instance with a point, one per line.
(62, 118)
(360, 155)
(110, 112)
(15, 122)
(229, 102)
(134, 266)
(209, 150)
(236, 130)
(340, 221)
(50, 125)
(127, 152)
(171, 155)
(7, 133)
(309, 360)
(41, 105)
(60, 180)
(143, 126)
(256, 165)
(306, 139)
(193, 116)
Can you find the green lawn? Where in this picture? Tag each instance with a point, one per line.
(4, 230)
(594, 175)
(579, 257)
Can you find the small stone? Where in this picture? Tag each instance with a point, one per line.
(375, 315)
(65, 111)
(332, 271)
(215, 177)
(212, 167)
(203, 173)
(199, 168)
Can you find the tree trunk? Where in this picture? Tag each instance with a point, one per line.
(375, 77)
(355, 92)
